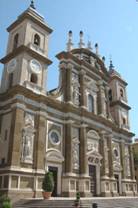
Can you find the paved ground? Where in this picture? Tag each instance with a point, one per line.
(102, 202)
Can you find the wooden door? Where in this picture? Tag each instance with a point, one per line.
(92, 174)
(54, 170)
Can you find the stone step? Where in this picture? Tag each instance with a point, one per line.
(85, 203)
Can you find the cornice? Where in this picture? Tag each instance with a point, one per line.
(68, 55)
(22, 49)
(65, 108)
(122, 104)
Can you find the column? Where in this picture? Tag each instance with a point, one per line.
(108, 102)
(40, 142)
(67, 82)
(15, 138)
(83, 99)
(0, 124)
(68, 147)
(111, 171)
(102, 151)
(122, 153)
(63, 77)
(83, 150)
(132, 168)
(101, 99)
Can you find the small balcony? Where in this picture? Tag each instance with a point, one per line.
(33, 87)
(36, 48)
(125, 126)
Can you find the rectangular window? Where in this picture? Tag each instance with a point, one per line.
(0, 182)
(3, 161)
(10, 79)
(6, 181)
(6, 135)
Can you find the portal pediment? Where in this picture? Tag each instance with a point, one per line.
(54, 156)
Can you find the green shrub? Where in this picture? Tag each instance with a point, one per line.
(48, 182)
(4, 198)
(6, 204)
(78, 196)
(5, 201)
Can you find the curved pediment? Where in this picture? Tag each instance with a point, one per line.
(91, 58)
(95, 154)
(93, 134)
(94, 157)
(54, 155)
(117, 166)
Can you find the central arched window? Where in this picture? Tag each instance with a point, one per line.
(33, 78)
(15, 41)
(121, 93)
(37, 39)
(124, 121)
(110, 95)
(10, 80)
(90, 103)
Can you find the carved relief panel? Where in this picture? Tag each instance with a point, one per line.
(75, 89)
(127, 161)
(75, 148)
(28, 134)
(93, 154)
(116, 156)
(106, 150)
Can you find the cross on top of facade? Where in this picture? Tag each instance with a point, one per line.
(32, 4)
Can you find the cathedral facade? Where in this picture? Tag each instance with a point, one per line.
(79, 131)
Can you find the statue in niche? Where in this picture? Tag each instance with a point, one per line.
(76, 95)
(106, 149)
(75, 153)
(127, 161)
(27, 146)
(75, 89)
(92, 61)
(28, 138)
(29, 120)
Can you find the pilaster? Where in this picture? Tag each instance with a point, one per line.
(102, 150)
(68, 148)
(83, 149)
(16, 137)
(82, 90)
(107, 103)
(111, 171)
(101, 99)
(132, 163)
(68, 97)
(122, 154)
(40, 143)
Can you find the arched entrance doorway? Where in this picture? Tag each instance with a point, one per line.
(94, 163)
(54, 161)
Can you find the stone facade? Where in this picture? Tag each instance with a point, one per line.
(79, 131)
(135, 154)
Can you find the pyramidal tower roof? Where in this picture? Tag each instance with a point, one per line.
(32, 14)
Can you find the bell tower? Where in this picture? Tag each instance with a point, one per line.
(27, 60)
(118, 99)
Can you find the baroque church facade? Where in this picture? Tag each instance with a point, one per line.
(79, 131)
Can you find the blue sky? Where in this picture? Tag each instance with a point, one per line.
(111, 23)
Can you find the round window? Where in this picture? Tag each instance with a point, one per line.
(54, 137)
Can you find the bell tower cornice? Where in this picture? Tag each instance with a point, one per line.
(32, 15)
(22, 49)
